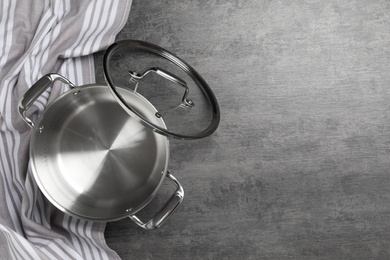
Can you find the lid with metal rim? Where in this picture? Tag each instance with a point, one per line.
(180, 95)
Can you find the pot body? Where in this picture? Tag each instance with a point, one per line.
(92, 160)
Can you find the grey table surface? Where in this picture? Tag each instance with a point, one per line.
(299, 167)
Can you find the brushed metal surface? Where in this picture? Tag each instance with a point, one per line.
(92, 160)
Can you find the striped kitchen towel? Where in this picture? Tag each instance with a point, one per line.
(39, 37)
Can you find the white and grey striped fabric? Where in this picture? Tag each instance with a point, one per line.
(39, 37)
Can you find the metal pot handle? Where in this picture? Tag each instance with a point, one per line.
(35, 91)
(166, 211)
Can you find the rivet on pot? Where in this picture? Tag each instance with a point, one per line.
(41, 129)
(77, 92)
(128, 210)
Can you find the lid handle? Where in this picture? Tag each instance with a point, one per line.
(185, 102)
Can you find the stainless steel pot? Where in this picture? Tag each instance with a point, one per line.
(93, 161)
(100, 152)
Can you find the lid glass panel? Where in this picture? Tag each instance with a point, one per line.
(180, 95)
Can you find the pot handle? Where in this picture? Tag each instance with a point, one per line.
(35, 91)
(166, 211)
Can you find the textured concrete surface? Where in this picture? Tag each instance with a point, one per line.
(300, 165)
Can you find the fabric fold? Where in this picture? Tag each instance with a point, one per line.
(36, 38)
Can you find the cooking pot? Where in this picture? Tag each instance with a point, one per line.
(100, 152)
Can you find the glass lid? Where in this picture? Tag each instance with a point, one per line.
(182, 98)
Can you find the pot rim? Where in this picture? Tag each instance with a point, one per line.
(37, 130)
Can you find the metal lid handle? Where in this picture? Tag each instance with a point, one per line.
(169, 76)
